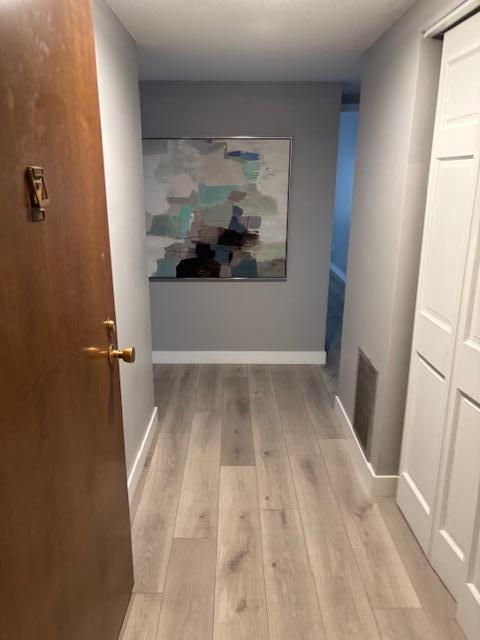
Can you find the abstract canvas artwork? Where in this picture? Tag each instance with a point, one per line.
(216, 208)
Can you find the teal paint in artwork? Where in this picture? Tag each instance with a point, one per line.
(247, 268)
(185, 219)
(210, 196)
(251, 169)
(166, 268)
(164, 225)
(223, 254)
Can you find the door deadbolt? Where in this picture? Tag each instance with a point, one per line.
(37, 188)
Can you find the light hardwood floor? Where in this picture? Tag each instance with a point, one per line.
(252, 523)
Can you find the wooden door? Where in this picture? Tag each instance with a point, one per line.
(456, 526)
(65, 552)
(450, 213)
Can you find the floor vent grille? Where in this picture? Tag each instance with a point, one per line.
(365, 396)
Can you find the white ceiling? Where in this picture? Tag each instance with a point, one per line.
(255, 39)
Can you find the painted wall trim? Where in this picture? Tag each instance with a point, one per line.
(137, 468)
(239, 357)
(376, 485)
(338, 272)
(452, 18)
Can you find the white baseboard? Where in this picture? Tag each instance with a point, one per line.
(142, 453)
(338, 272)
(239, 357)
(380, 486)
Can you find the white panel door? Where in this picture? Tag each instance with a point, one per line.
(450, 241)
(457, 516)
(468, 612)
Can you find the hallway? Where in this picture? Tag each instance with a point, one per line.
(251, 522)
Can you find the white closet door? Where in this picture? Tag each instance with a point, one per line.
(457, 517)
(468, 612)
(448, 232)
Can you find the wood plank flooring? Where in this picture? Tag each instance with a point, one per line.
(240, 609)
(252, 523)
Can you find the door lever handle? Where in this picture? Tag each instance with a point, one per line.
(127, 354)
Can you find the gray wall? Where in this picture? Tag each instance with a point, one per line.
(399, 86)
(121, 134)
(258, 316)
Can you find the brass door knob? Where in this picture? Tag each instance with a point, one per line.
(127, 354)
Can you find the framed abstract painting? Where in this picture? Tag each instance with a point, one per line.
(217, 208)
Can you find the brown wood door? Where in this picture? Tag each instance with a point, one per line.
(65, 552)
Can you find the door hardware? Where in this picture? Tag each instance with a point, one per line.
(127, 354)
(110, 325)
(38, 193)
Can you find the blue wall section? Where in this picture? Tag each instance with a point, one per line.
(344, 188)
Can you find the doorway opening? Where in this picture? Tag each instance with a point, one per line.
(347, 144)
